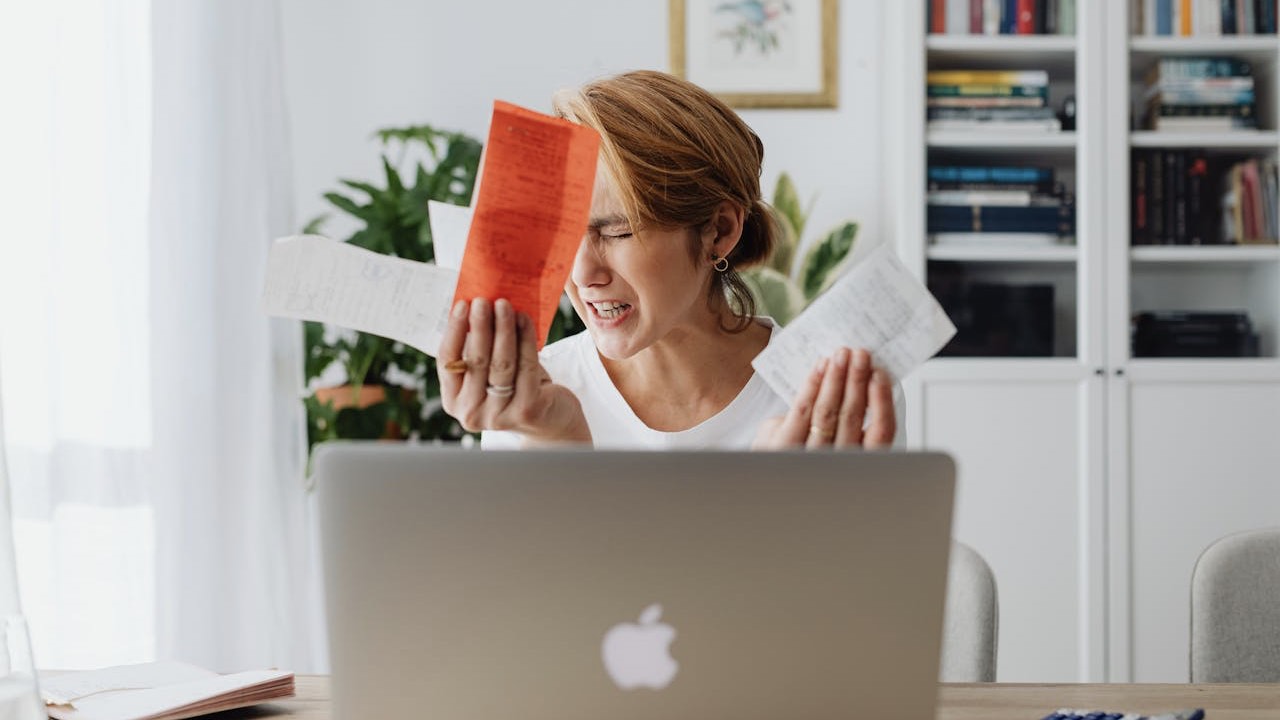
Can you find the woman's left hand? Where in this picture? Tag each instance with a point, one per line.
(832, 407)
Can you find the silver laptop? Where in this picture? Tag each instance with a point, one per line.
(576, 585)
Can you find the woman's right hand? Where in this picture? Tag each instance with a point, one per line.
(491, 378)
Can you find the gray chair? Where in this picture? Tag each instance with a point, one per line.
(1235, 609)
(971, 623)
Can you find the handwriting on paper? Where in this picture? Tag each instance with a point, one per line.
(878, 306)
(314, 278)
(530, 213)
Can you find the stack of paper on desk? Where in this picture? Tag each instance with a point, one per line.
(157, 691)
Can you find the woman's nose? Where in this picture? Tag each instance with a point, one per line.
(589, 267)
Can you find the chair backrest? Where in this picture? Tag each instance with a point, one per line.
(1235, 609)
(971, 624)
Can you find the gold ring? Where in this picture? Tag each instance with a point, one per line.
(456, 367)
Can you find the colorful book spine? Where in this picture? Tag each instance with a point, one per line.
(989, 174)
(979, 90)
(987, 77)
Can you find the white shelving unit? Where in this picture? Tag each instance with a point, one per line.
(1091, 480)
(1191, 443)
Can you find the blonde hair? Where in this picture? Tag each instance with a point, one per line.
(676, 152)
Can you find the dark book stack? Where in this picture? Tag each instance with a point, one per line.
(1184, 197)
(990, 100)
(998, 205)
(1000, 17)
(1207, 94)
(1193, 334)
(993, 319)
(1174, 198)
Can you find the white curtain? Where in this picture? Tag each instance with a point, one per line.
(155, 434)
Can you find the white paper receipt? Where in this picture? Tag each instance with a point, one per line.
(878, 306)
(314, 278)
(449, 227)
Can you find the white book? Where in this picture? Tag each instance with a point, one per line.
(1005, 198)
(157, 691)
(1198, 123)
(995, 239)
(957, 17)
(1043, 125)
(991, 13)
(1209, 12)
(1149, 17)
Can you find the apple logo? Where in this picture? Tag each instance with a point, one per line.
(638, 655)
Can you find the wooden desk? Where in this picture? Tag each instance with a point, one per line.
(969, 702)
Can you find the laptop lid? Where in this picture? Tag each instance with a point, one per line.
(576, 584)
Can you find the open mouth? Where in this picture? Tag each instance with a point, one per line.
(609, 310)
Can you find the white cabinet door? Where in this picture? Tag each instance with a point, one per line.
(1024, 450)
(1204, 461)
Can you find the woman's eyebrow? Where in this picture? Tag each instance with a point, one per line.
(596, 223)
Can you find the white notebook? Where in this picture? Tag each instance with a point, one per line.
(157, 691)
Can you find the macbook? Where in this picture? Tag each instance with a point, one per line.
(579, 584)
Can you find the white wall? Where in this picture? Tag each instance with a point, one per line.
(352, 66)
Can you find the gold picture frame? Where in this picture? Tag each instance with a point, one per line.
(770, 54)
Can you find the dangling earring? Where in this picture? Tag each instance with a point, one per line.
(719, 263)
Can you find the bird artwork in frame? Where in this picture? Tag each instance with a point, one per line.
(757, 53)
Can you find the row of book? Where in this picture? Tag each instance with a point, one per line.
(989, 100)
(1199, 94)
(1185, 197)
(998, 205)
(1203, 18)
(1000, 17)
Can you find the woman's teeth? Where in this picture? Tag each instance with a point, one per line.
(610, 309)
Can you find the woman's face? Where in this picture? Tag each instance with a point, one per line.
(632, 289)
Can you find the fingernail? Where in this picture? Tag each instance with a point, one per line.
(822, 364)
(502, 309)
(861, 359)
(460, 308)
(842, 357)
(480, 307)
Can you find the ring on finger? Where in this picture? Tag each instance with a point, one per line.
(821, 432)
(500, 390)
(456, 367)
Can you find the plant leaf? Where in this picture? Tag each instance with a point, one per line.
(371, 190)
(316, 225)
(787, 202)
(394, 183)
(825, 255)
(342, 202)
(776, 295)
(784, 250)
(369, 423)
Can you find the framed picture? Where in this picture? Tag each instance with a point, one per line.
(757, 53)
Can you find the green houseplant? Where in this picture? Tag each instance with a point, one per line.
(391, 390)
(789, 282)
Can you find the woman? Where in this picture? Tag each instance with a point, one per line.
(671, 330)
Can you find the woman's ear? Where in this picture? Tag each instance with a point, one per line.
(721, 235)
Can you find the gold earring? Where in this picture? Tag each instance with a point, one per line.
(719, 263)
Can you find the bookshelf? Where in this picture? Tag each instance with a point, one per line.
(1090, 478)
